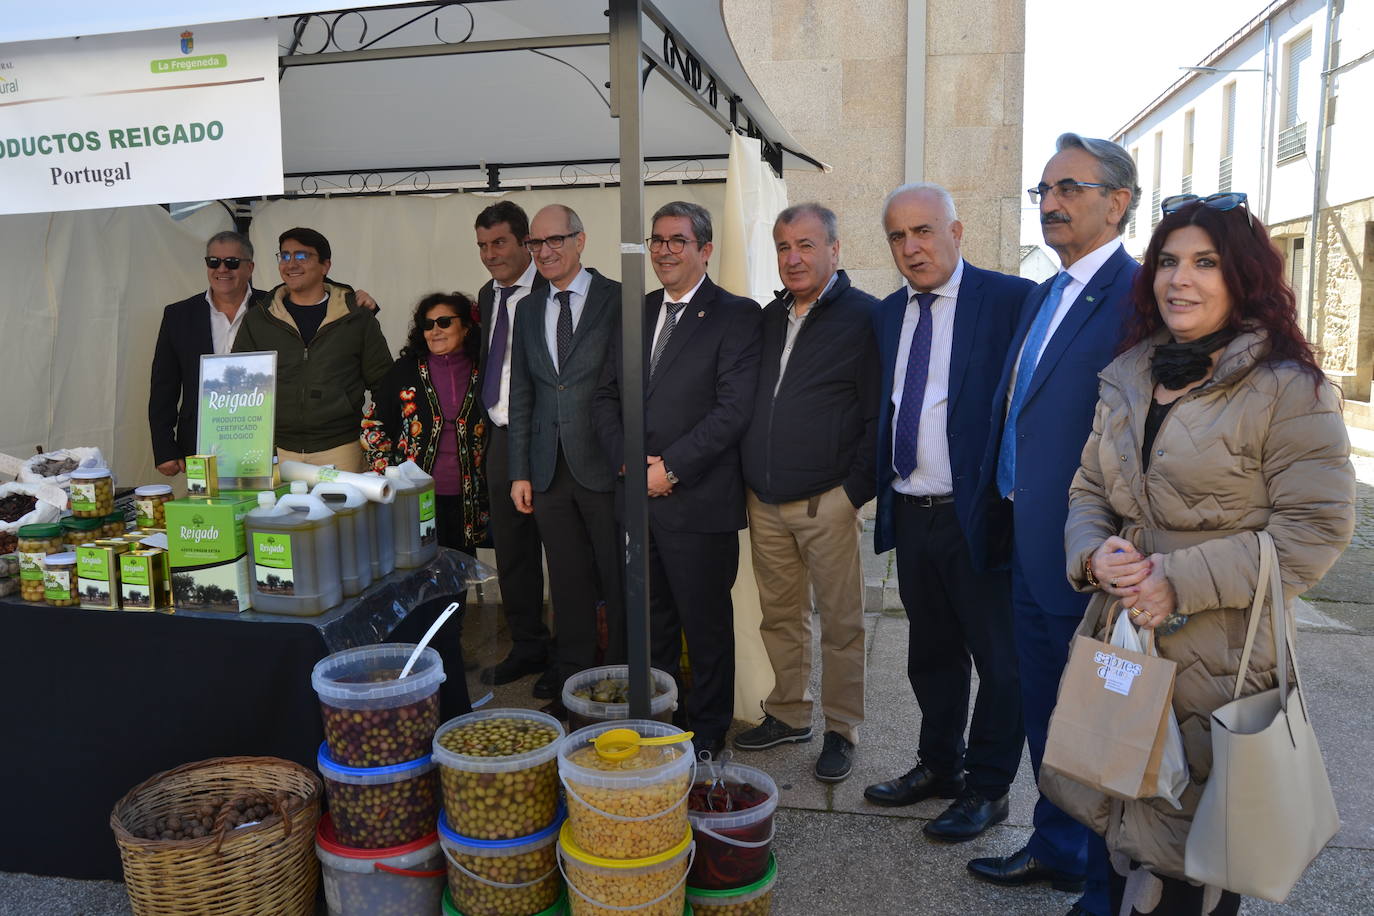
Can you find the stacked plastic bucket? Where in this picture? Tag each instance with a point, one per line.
(731, 808)
(378, 845)
(627, 844)
(501, 815)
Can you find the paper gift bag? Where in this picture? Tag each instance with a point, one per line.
(1110, 721)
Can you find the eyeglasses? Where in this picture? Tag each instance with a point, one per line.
(286, 257)
(1064, 189)
(443, 321)
(231, 263)
(555, 242)
(675, 245)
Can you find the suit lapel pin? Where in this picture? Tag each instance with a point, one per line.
(1092, 298)
(701, 314)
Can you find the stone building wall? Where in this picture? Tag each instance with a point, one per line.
(1344, 305)
(834, 72)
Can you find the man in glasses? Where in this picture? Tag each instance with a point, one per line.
(808, 464)
(1042, 414)
(701, 355)
(943, 336)
(204, 323)
(330, 351)
(501, 231)
(558, 469)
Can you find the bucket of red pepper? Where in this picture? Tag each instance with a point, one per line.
(731, 809)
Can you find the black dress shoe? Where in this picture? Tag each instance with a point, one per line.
(511, 669)
(915, 785)
(548, 686)
(969, 816)
(1020, 869)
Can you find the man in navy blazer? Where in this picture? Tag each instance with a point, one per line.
(1042, 414)
(942, 338)
(558, 470)
(701, 363)
(205, 323)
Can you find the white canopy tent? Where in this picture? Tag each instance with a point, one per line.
(394, 103)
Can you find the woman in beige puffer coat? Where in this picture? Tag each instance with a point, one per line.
(1214, 425)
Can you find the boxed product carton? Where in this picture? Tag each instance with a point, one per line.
(143, 579)
(209, 555)
(97, 568)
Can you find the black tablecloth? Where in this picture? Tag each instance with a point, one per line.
(99, 701)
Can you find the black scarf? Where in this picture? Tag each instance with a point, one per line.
(1177, 365)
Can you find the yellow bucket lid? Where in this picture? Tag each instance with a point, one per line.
(569, 846)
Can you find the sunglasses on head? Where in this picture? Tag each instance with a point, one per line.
(231, 263)
(1227, 201)
(443, 321)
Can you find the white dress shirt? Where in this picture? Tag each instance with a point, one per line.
(579, 286)
(1081, 272)
(932, 476)
(498, 410)
(224, 329)
(663, 312)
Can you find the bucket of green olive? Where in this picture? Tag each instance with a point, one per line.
(500, 877)
(499, 772)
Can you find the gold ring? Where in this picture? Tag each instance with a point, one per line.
(1136, 612)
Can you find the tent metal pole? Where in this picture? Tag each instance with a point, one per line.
(542, 42)
(626, 105)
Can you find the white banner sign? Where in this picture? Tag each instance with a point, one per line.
(140, 118)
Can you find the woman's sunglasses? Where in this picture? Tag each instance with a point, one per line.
(443, 321)
(1227, 201)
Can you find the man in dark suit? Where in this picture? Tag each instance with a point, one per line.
(501, 232)
(701, 364)
(808, 464)
(942, 337)
(558, 469)
(205, 323)
(1042, 414)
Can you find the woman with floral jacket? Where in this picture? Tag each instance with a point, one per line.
(426, 410)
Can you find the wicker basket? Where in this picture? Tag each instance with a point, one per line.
(269, 867)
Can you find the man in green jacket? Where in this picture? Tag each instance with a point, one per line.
(330, 351)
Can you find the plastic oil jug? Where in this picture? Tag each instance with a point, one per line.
(294, 547)
(355, 539)
(417, 537)
(382, 530)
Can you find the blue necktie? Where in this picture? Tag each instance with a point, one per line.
(496, 356)
(913, 391)
(1030, 356)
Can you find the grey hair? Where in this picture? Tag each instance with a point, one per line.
(1118, 168)
(574, 221)
(238, 238)
(822, 213)
(946, 199)
(699, 215)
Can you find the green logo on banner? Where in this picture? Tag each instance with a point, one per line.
(187, 64)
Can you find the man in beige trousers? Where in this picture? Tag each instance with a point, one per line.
(808, 459)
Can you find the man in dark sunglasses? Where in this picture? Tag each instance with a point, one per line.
(204, 323)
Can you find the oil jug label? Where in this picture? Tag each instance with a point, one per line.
(272, 566)
(427, 532)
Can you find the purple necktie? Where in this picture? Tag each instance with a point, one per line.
(913, 391)
(496, 356)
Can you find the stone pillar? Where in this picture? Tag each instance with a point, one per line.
(834, 72)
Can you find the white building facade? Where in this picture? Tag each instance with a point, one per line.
(1284, 111)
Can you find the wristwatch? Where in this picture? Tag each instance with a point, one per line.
(672, 478)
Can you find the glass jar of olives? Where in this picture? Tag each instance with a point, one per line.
(59, 580)
(35, 543)
(78, 531)
(148, 501)
(113, 525)
(92, 492)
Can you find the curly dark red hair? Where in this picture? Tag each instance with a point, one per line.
(1252, 269)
